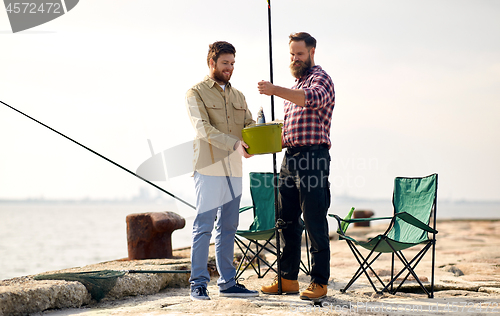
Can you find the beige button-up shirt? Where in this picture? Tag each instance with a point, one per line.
(218, 116)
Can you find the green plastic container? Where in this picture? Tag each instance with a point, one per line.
(262, 138)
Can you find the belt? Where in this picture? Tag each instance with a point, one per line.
(294, 150)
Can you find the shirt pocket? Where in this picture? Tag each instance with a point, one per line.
(239, 113)
(216, 112)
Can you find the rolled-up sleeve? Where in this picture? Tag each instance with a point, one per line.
(320, 92)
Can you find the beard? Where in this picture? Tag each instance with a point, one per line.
(299, 68)
(220, 77)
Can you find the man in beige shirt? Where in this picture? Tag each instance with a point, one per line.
(218, 113)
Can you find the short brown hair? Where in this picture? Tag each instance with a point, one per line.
(218, 48)
(303, 36)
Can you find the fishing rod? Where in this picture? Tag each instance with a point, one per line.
(279, 223)
(98, 154)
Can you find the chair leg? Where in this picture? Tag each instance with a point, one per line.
(392, 273)
(252, 255)
(411, 271)
(362, 269)
(410, 267)
(269, 269)
(259, 259)
(308, 270)
(245, 255)
(433, 263)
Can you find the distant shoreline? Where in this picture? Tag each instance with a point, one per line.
(84, 201)
(160, 200)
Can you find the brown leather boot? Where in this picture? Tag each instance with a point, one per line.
(314, 291)
(287, 287)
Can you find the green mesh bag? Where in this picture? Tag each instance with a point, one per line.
(98, 283)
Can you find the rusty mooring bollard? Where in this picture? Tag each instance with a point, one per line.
(362, 214)
(149, 235)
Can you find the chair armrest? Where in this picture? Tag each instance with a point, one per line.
(245, 208)
(354, 220)
(340, 231)
(412, 220)
(343, 226)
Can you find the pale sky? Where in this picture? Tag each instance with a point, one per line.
(417, 91)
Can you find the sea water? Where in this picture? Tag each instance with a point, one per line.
(40, 237)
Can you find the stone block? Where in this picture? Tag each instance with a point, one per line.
(362, 214)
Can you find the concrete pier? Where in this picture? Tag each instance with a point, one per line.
(467, 282)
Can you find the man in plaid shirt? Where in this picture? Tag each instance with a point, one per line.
(304, 187)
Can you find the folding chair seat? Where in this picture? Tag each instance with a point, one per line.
(415, 203)
(260, 238)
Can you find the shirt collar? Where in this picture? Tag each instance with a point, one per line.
(308, 72)
(211, 82)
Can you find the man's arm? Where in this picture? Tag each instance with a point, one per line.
(297, 96)
(248, 115)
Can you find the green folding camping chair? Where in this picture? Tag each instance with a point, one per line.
(260, 237)
(415, 202)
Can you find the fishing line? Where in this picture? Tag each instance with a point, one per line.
(98, 154)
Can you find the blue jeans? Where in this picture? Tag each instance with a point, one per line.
(217, 202)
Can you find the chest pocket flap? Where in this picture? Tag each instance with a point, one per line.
(239, 112)
(216, 112)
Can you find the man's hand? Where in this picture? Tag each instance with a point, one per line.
(240, 148)
(296, 96)
(267, 88)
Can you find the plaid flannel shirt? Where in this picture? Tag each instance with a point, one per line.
(310, 124)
